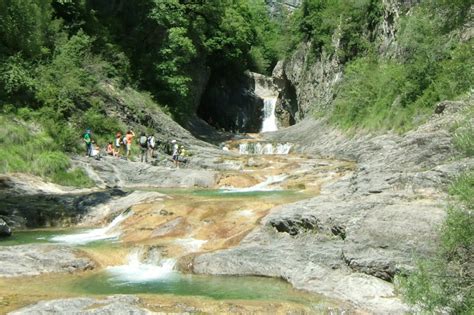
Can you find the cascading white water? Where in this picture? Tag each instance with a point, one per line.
(269, 117)
(263, 186)
(138, 270)
(283, 148)
(266, 148)
(190, 244)
(106, 233)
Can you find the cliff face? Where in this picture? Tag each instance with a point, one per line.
(311, 81)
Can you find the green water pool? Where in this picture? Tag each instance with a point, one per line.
(45, 236)
(215, 287)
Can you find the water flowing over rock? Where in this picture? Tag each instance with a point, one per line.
(269, 122)
(109, 232)
(267, 185)
(143, 265)
(352, 239)
(250, 101)
(264, 148)
(190, 245)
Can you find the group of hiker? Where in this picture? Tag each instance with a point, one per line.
(122, 147)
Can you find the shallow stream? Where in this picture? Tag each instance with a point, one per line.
(207, 220)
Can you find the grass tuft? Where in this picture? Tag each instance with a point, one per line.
(25, 151)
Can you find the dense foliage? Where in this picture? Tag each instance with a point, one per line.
(54, 52)
(428, 62)
(444, 283)
(54, 55)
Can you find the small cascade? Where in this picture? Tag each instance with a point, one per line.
(143, 267)
(191, 245)
(263, 186)
(108, 232)
(269, 117)
(264, 148)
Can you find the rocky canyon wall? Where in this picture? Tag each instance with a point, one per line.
(308, 82)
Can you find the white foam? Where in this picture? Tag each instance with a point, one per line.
(137, 271)
(264, 148)
(191, 244)
(269, 117)
(108, 232)
(263, 186)
(245, 213)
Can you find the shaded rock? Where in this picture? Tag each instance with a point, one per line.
(4, 229)
(21, 209)
(117, 304)
(32, 260)
(243, 107)
(295, 225)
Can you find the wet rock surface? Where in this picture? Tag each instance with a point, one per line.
(33, 260)
(46, 210)
(352, 239)
(117, 304)
(5, 230)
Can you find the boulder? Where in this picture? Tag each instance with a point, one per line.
(4, 229)
(117, 304)
(36, 259)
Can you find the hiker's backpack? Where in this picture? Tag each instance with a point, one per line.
(124, 140)
(143, 141)
(151, 142)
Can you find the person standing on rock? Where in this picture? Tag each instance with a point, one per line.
(88, 141)
(129, 137)
(118, 143)
(151, 146)
(143, 140)
(175, 155)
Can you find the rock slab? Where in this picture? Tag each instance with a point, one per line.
(116, 304)
(33, 260)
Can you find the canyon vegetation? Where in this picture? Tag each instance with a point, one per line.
(330, 143)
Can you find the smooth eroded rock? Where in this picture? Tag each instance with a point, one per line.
(36, 259)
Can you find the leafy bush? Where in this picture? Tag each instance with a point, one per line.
(66, 83)
(444, 282)
(317, 21)
(373, 96)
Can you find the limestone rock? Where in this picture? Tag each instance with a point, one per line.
(32, 260)
(113, 172)
(116, 304)
(361, 230)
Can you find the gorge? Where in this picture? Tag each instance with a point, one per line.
(326, 157)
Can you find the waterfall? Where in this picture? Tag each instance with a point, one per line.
(265, 148)
(263, 186)
(106, 233)
(269, 118)
(143, 269)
